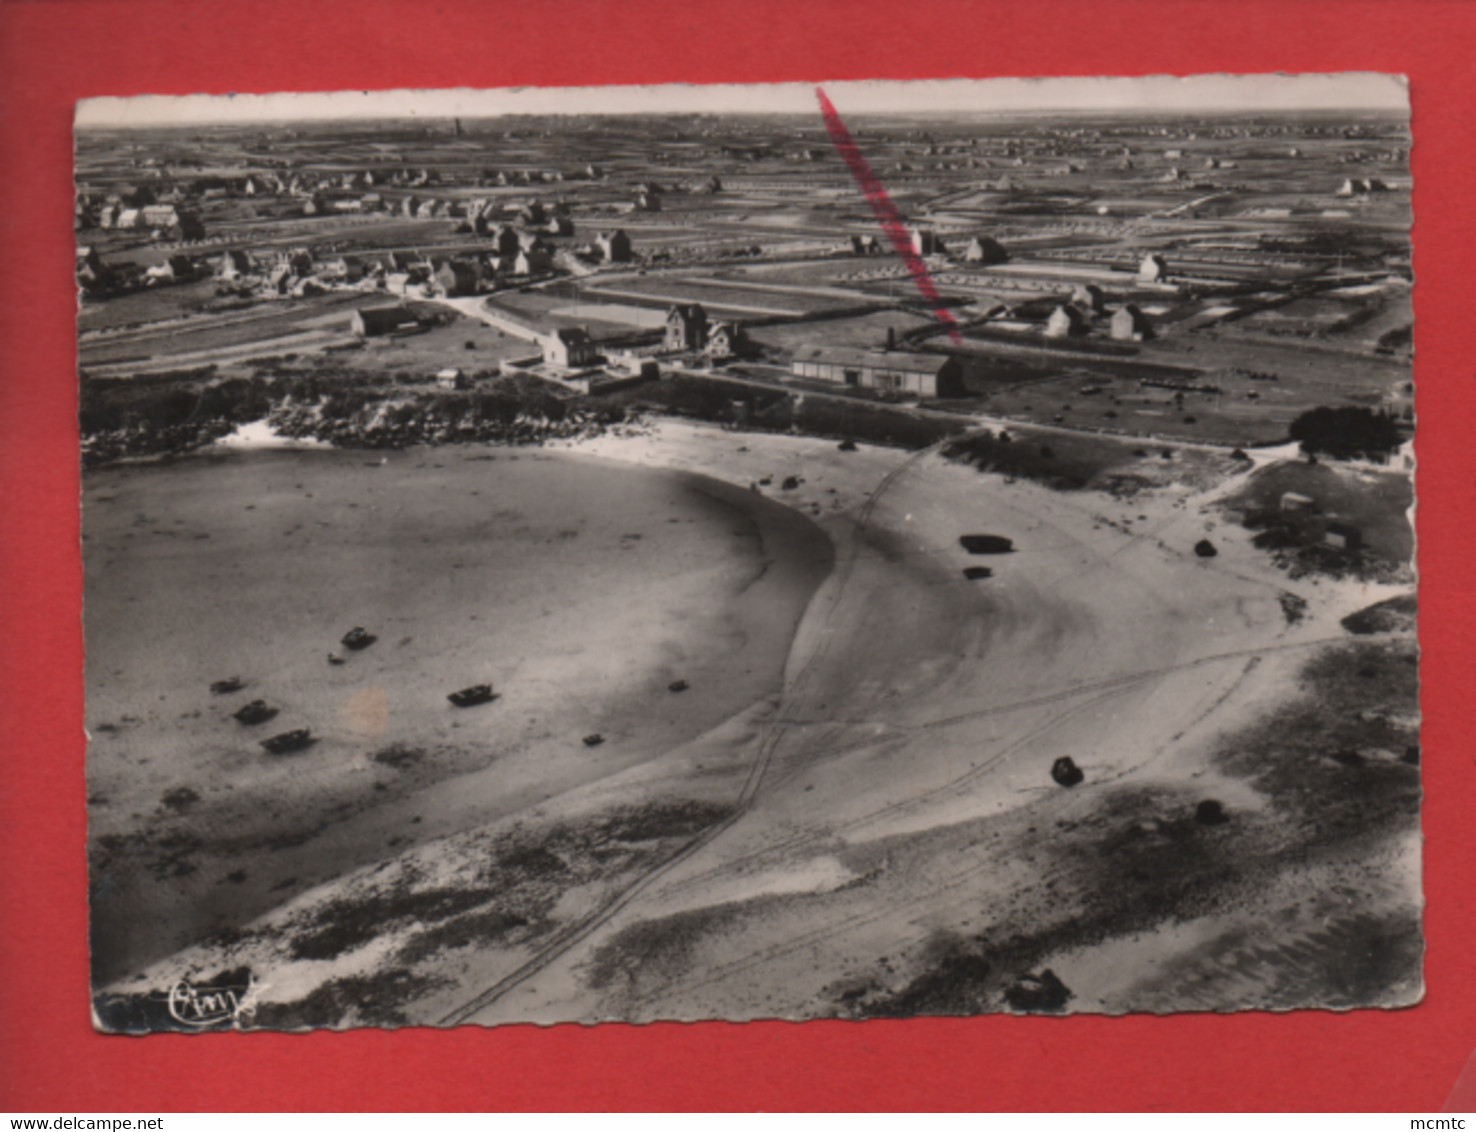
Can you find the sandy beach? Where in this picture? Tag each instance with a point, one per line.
(579, 589)
(853, 804)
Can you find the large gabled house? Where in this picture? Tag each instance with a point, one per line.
(570, 348)
(686, 328)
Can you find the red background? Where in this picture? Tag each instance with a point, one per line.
(52, 53)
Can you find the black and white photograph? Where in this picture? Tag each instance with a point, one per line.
(812, 551)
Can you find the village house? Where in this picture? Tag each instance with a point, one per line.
(614, 246)
(175, 269)
(686, 328)
(1129, 324)
(1089, 297)
(1066, 321)
(570, 348)
(923, 375)
(159, 215)
(986, 251)
(1153, 269)
(505, 240)
(233, 264)
(456, 277)
(927, 242)
(505, 264)
(534, 261)
(723, 340)
(344, 269)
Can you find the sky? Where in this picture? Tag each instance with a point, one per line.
(1352, 91)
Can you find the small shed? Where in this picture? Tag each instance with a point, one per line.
(1296, 501)
(450, 379)
(1343, 536)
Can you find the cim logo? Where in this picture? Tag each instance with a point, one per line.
(209, 1004)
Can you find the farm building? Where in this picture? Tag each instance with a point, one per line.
(614, 246)
(1066, 321)
(1343, 536)
(985, 250)
(569, 347)
(686, 328)
(1131, 325)
(371, 322)
(925, 375)
(1153, 269)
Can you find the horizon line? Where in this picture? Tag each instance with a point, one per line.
(1347, 92)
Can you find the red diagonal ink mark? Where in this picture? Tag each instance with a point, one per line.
(892, 224)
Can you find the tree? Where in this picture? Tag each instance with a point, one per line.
(1346, 432)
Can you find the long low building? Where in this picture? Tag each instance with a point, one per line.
(925, 375)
